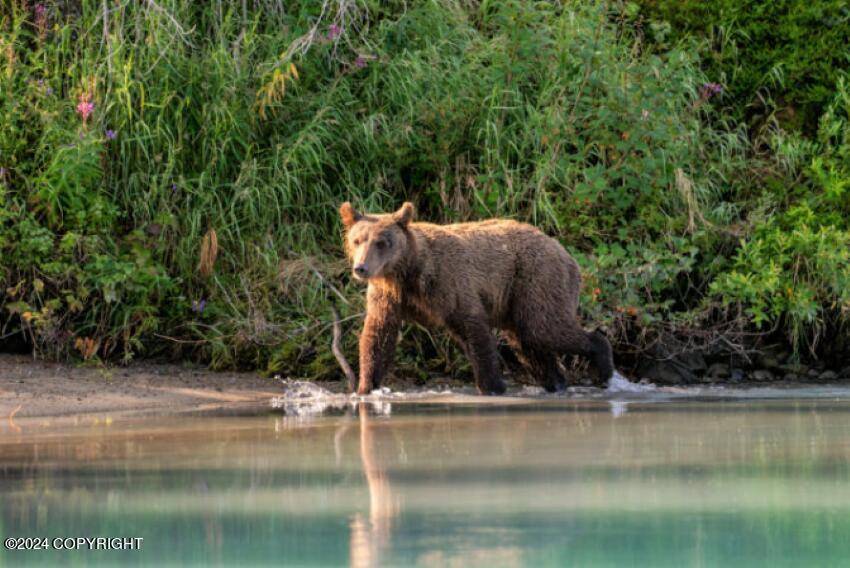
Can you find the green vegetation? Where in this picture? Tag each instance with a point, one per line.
(779, 59)
(794, 271)
(170, 170)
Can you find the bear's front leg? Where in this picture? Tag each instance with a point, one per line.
(378, 339)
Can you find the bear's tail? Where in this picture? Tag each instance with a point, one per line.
(603, 357)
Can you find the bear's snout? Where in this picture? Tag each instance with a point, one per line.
(361, 270)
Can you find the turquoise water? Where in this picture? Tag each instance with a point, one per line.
(548, 482)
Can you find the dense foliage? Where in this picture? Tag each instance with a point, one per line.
(778, 58)
(794, 270)
(170, 172)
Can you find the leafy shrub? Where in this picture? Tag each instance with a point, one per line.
(791, 50)
(795, 268)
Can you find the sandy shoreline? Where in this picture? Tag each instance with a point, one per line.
(38, 389)
(31, 388)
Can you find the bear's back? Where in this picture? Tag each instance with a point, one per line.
(486, 259)
(496, 235)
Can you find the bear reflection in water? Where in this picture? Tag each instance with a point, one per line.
(371, 534)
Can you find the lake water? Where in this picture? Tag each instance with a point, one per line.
(660, 479)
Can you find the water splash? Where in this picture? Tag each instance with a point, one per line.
(618, 383)
(618, 407)
(301, 390)
(304, 399)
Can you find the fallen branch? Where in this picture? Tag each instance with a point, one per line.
(336, 344)
(336, 347)
(12, 424)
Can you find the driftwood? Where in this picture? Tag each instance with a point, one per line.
(336, 344)
(336, 347)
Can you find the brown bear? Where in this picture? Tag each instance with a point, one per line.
(469, 278)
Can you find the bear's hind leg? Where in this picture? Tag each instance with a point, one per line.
(542, 365)
(591, 345)
(571, 339)
(547, 371)
(602, 355)
(480, 347)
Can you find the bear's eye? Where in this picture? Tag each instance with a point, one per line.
(356, 242)
(381, 245)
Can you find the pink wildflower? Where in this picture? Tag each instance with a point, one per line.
(41, 20)
(85, 107)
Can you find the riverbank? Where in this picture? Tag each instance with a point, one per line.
(35, 388)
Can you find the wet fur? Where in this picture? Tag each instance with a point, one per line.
(470, 278)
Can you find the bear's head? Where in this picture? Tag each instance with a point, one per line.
(376, 244)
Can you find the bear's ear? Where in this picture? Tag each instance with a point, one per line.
(404, 215)
(348, 215)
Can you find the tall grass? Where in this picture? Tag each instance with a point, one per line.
(248, 123)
